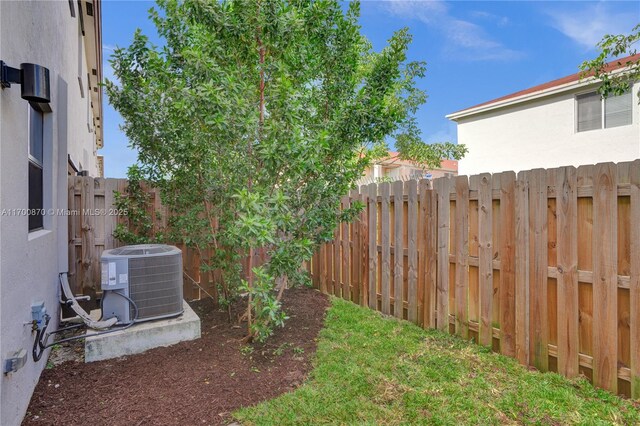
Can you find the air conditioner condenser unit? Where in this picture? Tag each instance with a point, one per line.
(150, 275)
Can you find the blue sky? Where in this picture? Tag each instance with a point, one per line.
(475, 51)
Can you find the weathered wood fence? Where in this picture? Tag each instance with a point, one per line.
(543, 266)
(94, 216)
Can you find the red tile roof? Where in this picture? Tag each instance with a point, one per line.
(611, 66)
(448, 165)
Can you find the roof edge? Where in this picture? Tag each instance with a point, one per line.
(550, 88)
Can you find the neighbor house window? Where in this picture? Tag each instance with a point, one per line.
(594, 112)
(36, 122)
(617, 110)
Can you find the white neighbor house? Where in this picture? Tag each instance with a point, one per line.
(560, 123)
(40, 145)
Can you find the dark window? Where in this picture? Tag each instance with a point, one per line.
(36, 122)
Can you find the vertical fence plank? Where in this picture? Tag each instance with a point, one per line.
(327, 258)
(337, 263)
(507, 264)
(109, 203)
(373, 245)
(462, 257)
(605, 277)
(412, 234)
(522, 267)
(432, 256)
(443, 187)
(356, 247)
(385, 280)
(364, 247)
(322, 260)
(428, 234)
(634, 285)
(485, 259)
(567, 264)
(539, 328)
(346, 255)
(88, 237)
(423, 187)
(73, 261)
(624, 268)
(398, 247)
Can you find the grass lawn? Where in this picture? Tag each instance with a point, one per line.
(375, 370)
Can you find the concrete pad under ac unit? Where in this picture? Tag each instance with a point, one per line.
(142, 337)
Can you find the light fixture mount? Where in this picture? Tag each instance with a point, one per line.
(33, 78)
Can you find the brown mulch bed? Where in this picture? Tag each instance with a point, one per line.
(198, 382)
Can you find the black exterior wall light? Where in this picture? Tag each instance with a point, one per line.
(34, 81)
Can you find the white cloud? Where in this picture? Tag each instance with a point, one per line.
(466, 39)
(590, 23)
(501, 21)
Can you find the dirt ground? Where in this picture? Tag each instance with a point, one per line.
(199, 382)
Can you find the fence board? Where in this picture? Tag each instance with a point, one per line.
(443, 186)
(538, 311)
(337, 263)
(605, 277)
(485, 259)
(364, 248)
(507, 264)
(462, 254)
(428, 251)
(373, 246)
(356, 246)
(398, 248)
(412, 246)
(322, 260)
(346, 255)
(522, 267)
(567, 264)
(385, 281)
(87, 284)
(634, 285)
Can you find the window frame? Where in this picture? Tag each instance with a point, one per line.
(33, 161)
(603, 112)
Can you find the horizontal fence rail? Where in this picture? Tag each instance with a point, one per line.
(543, 266)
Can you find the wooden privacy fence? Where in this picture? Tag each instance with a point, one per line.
(93, 217)
(543, 266)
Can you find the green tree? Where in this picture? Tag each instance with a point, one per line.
(612, 47)
(254, 119)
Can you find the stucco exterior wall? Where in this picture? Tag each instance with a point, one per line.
(44, 33)
(542, 134)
